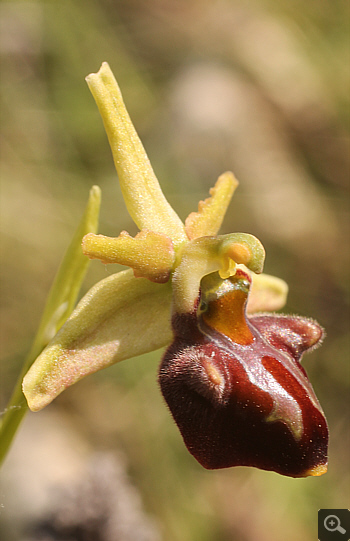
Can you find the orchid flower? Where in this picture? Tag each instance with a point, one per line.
(227, 374)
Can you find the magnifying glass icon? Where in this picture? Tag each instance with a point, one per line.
(332, 524)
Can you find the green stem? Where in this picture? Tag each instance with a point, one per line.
(17, 406)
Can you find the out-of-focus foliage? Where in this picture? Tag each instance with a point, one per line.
(259, 87)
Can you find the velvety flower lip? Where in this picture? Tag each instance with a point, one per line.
(233, 381)
(235, 386)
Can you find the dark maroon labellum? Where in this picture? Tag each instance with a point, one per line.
(235, 386)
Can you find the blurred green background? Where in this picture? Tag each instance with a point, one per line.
(257, 87)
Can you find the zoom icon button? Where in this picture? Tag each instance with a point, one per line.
(334, 524)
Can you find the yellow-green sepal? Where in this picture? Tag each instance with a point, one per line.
(143, 196)
(120, 317)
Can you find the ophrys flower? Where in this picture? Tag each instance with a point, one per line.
(177, 269)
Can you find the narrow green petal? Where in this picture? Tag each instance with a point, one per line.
(151, 255)
(120, 317)
(267, 294)
(211, 212)
(142, 194)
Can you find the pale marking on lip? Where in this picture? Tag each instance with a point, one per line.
(213, 374)
(285, 408)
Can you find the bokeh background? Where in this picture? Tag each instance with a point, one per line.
(257, 87)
